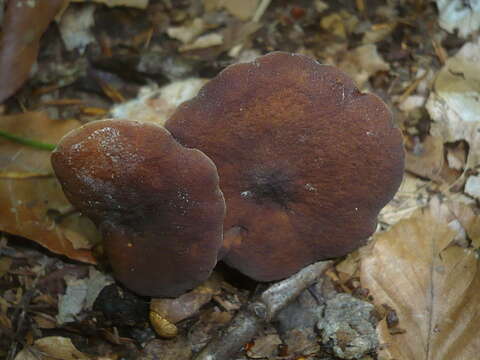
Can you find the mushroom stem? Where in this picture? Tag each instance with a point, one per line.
(247, 322)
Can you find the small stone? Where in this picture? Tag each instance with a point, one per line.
(349, 325)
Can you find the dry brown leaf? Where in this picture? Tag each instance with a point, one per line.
(32, 206)
(466, 212)
(453, 104)
(431, 284)
(139, 4)
(349, 266)
(363, 62)
(158, 104)
(52, 348)
(426, 159)
(243, 10)
(23, 24)
(413, 194)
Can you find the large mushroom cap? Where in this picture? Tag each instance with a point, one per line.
(156, 202)
(305, 160)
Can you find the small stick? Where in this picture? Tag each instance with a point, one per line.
(248, 321)
(260, 10)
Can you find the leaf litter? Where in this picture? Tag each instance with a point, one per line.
(417, 269)
(420, 270)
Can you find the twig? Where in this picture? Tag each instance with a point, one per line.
(248, 321)
(260, 10)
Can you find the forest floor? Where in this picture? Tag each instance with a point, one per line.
(411, 293)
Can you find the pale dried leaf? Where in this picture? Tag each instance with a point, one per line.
(454, 105)
(472, 186)
(388, 349)
(363, 62)
(52, 348)
(158, 104)
(349, 266)
(463, 16)
(464, 210)
(426, 158)
(80, 295)
(457, 156)
(264, 347)
(339, 23)
(204, 41)
(431, 284)
(412, 195)
(188, 32)
(75, 27)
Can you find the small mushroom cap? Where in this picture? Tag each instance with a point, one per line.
(156, 202)
(306, 161)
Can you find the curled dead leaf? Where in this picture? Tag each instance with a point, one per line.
(52, 348)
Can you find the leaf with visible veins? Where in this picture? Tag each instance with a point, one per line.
(433, 285)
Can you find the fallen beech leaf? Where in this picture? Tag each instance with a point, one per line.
(426, 158)
(453, 104)
(52, 348)
(23, 25)
(32, 204)
(431, 284)
(363, 62)
(464, 210)
(158, 104)
(412, 194)
(348, 267)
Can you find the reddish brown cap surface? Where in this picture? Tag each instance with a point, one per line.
(156, 202)
(305, 160)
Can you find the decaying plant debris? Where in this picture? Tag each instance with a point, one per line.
(417, 280)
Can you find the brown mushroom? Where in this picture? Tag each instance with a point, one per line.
(306, 161)
(156, 202)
